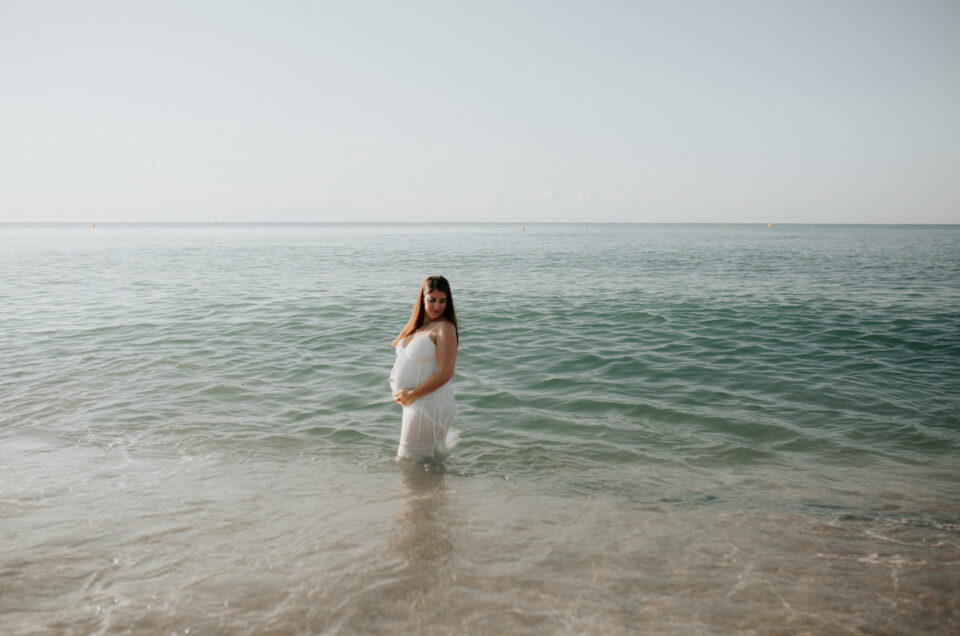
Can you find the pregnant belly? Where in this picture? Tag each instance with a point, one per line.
(407, 377)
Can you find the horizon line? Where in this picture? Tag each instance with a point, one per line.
(521, 223)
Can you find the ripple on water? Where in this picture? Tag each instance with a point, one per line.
(700, 424)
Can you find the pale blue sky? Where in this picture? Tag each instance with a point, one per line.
(713, 111)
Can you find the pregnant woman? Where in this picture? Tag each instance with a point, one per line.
(420, 380)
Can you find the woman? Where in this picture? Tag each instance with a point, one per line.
(420, 380)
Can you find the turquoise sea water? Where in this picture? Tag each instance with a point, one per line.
(665, 429)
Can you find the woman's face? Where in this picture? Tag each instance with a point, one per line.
(434, 304)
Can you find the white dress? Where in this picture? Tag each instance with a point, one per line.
(426, 422)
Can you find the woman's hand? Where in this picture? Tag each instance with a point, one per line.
(404, 397)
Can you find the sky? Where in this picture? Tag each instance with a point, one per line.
(836, 111)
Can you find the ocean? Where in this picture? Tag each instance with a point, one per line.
(680, 429)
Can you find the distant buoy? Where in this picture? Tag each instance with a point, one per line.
(769, 224)
(586, 228)
(634, 227)
(93, 225)
(523, 229)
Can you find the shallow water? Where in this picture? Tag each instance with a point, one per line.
(665, 429)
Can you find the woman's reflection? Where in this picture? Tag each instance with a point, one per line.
(423, 531)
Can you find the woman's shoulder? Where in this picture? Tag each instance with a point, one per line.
(444, 328)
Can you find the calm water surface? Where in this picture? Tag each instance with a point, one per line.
(667, 429)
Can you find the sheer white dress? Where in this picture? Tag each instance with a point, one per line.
(426, 429)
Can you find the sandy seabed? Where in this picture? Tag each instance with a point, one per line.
(111, 543)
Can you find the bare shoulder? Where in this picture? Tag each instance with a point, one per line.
(445, 330)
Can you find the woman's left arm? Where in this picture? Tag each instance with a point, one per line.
(446, 361)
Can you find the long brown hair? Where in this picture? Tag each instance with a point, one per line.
(430, 283)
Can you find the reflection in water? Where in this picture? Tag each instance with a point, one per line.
(413, 590)
(423, 533)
